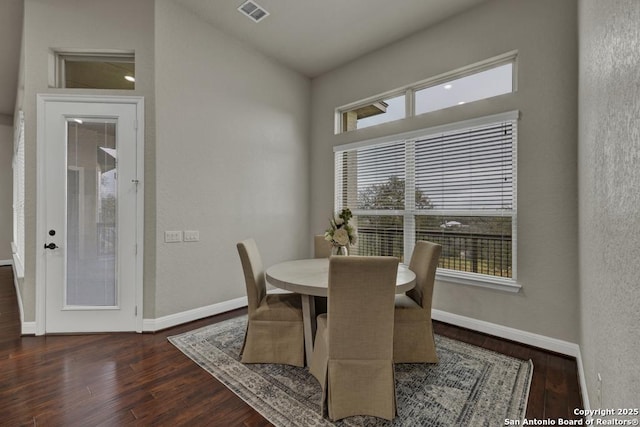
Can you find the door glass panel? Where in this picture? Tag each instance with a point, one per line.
(91, 214)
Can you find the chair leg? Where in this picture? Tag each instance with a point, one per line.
(244, 341)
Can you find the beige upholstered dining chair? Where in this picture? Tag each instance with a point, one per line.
(321, 247)
(274, 328)
(353, 352)
(413, 340)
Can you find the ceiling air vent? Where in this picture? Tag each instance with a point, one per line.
(253, 11)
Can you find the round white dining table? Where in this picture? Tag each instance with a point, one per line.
(309, 278)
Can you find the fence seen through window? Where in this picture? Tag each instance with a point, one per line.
(478, 245)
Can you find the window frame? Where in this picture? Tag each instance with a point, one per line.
(59, 58)
(409, 91)
(409, 214)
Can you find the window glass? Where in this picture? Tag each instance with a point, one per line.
(96, 71)
(375, 113)
(379, 235)
(380, 177)
(474, 244)
(435, 94)
(455, 188)
(482, 85)
(468, 170)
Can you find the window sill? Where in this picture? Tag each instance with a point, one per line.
(501, 284)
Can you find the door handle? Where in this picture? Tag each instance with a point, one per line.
(50, 246)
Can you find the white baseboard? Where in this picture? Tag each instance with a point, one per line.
(28, 328)
(524, 337)
(152, 325)
(5, 262)
(583, 384)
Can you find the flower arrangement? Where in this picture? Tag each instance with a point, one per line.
(340, 233)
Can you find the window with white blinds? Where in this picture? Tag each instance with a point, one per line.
(454, 186)
(18, 194)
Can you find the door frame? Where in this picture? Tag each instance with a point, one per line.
(41, 139)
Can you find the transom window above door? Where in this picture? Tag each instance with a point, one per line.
(93, 70)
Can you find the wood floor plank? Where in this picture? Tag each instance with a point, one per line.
(141, 379)
(574, 396)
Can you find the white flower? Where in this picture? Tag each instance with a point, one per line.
(339, 221)
(341, 237)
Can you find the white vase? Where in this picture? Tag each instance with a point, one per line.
(339, 250)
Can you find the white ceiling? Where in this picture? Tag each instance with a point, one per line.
(315, 36)
(310, 36)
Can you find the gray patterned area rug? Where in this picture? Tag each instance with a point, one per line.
(470, 386)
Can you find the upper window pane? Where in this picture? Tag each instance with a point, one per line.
(374, 113)
(482, 85)
(96, 71)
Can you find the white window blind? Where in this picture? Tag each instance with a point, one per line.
(380, 177)
(455, 187)
(18, 193)
(372, 186)
(471, 170)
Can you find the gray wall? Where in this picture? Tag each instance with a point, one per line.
(232, 160)
(545, 35)
(6, 187)
(609, 182)
(117, 24)
(228, 156)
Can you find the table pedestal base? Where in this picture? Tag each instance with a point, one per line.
(309, 321)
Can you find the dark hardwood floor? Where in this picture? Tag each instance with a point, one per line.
(141, 379)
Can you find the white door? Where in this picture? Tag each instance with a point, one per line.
(90, 219)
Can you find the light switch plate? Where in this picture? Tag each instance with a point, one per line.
(172, 236)
(191, 236)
